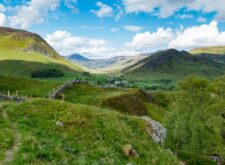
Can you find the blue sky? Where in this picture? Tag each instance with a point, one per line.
(107, 28)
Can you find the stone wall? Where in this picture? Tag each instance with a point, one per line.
(12, 98)
(56, 92)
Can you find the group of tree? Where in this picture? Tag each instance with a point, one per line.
(197, 121)
(47, 73)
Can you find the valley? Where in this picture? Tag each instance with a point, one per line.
(99, 117)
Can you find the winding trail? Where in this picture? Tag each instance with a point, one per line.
(9, 154)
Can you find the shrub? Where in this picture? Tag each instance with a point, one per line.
(47, 73)
(131, 103)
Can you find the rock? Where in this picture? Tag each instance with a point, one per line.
(214, 158)
(182, 163)
(155, 130)
(59, 124)
(129, 150)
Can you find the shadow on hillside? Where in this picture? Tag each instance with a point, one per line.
(25, 68)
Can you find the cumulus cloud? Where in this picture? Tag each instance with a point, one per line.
(2, 19)
(32, 13)
(166, 8)
(148, 41)
(199, 36)
(104, 11)
(133, 28)
(183, 39)
(65, 43)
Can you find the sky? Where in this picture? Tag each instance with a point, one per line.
(108, 28)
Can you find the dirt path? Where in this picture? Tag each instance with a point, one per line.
(9, 154)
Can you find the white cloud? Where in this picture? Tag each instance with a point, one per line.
(118, 12)
(2, 8)
(183, 39)
(208, 6)
(167, 8)
(133, 28)
(151, 41)
(199, 36)
(65, 43)
(133, 6)
(2, 19)
(32, 13)
(104, 11)
(201, 19)
(72, 5)
(184, 16)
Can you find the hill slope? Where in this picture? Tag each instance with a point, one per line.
(55, 132)
(22, 52)
(219, 50)
(176, 62)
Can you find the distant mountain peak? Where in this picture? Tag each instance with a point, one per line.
(78, 57)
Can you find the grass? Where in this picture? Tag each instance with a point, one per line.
(132, 103)
(156, 112)
(89, 135)
(22, 53)
(89, 94)
(23, 64)
(6, 133)
(193, 159)
(31, 88)
(219, 50)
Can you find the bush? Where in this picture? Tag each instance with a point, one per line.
(131, 103)
(47, 73)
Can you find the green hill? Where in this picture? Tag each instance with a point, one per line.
(166, 67)
(22, 52)
(54, 132)
(173, 61)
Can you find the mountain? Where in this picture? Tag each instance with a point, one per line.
(23, 52)
(219, 50)
(216, 54)
(25, 41)
(101, 64)
(78, 57)
(173, 61)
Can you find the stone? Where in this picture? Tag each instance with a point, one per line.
(129, 150)
(155, 130)
(59, 124)
(182, 163)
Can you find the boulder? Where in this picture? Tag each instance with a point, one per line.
(155, 130)
(129, 150)
(59, 124)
